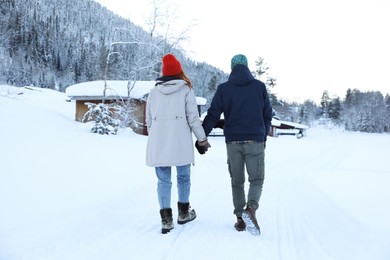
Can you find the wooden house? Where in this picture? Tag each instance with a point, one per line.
(116, 91)
(279, 127)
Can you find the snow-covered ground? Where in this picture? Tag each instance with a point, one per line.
(66, 193)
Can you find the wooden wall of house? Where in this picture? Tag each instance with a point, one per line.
(82, 108)
(272, 131)
(140, 116)
(139, 113)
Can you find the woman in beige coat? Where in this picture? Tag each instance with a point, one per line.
(172, 117)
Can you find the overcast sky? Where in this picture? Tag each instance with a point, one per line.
(309, 45)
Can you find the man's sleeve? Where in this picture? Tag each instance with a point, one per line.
(214, 112)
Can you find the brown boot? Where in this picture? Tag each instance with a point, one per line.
(166, 220)
(240, 224)
(186, 214)
(249, 217)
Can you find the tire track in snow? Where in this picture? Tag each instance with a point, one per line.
(289, 192)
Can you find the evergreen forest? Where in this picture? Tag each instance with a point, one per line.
(55, 44)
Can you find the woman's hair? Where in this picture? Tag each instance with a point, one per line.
(182, 75)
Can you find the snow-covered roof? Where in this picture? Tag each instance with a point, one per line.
(276, 122)
(94, 89)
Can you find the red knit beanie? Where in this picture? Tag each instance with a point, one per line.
(170, 65)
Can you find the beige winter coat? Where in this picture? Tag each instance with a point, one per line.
(171, 117)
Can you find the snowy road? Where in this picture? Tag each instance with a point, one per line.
(69, 194)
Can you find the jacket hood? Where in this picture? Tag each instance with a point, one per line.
(171, 86)
(240, 75)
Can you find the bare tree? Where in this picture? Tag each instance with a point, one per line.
(160, 26)
(142, 60)
(148, 58)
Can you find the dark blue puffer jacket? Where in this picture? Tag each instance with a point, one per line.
(246, 107)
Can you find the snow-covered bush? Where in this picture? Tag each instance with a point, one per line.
(103, 115)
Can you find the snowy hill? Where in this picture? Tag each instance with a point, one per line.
(66, 193)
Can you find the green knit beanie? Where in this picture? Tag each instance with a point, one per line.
(239, 59)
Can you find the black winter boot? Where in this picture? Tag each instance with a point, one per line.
(186, 214)
(166, 220)
(240, 224)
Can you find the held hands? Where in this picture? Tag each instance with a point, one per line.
(203, 146)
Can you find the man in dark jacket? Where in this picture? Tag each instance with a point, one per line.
(247, 113)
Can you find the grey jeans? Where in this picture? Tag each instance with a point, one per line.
(249, 155)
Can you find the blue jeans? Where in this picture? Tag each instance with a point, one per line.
(164, 184)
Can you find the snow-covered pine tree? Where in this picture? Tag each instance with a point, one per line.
(102, 114)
